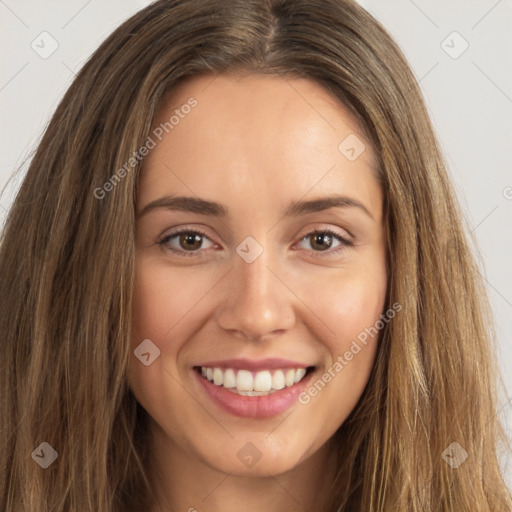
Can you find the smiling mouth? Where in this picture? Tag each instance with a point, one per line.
(249, 383)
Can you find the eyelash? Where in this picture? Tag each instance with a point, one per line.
(344, 243)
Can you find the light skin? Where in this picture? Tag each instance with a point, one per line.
(254, 144)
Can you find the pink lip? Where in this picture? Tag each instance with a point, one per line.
(254, 365)
(254, 406)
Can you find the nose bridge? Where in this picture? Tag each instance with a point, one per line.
(254, 277)
(257, 303)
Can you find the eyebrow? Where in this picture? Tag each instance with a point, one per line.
(204, 207)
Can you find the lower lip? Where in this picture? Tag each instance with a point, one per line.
(254, 406)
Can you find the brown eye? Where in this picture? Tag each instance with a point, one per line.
(321, 240)
(189, 242)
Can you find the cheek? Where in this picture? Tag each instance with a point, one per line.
(152, 313)
(351, 308)
(161, 300)
(351, 305)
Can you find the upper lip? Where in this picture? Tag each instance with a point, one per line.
(254, 364)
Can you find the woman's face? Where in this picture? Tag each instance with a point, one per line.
(256, 298)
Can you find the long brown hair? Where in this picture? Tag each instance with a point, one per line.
(67, 267)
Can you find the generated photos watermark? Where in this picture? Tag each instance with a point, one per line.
(157, 133)
(343, 360)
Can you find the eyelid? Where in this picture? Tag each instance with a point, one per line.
(185, 229)
(162, 241)
(325, 228)
(345, 242)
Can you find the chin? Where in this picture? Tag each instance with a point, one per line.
(255, 456)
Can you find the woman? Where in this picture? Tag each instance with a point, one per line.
(235, 275)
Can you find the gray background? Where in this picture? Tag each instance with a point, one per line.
(468, 93)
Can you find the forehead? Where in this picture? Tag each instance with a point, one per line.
(275, 101)
(254, 131)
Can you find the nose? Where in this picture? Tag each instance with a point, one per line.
(258, 304)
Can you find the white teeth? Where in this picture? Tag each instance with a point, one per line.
(247, 383)
(229, 378)
(299, 373)
(278, 380)
(263, 381)
(217, 376)
(244, 381)
(289, 378)
(252, 393)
